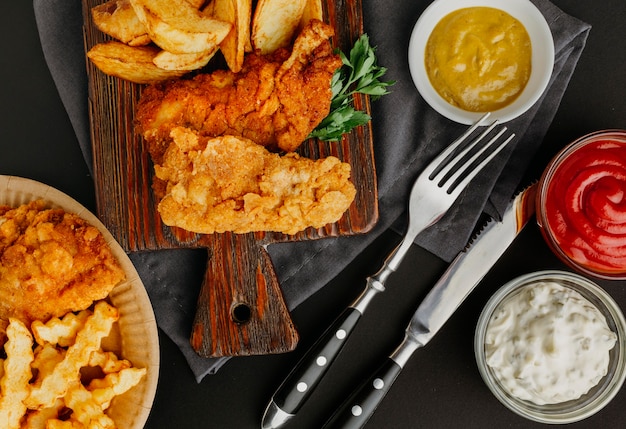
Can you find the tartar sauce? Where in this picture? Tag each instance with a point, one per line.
(548, 344)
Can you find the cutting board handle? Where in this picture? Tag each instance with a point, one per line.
(241, 310)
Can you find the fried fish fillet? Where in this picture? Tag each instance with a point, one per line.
(230, 183)
(51, 262)
(275, 100)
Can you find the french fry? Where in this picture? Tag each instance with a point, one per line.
(59, 331)
(183, 62)
(67, 372)
(108, 361)
(275, 23)
(118, 19)
(103, 390)
(85, 409)
(132, 63)
(17, 373)
(37, 419)
(176, 26)
(46, 359)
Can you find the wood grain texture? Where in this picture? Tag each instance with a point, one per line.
(239, 270)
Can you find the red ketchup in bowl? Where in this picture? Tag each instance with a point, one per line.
(582, 204)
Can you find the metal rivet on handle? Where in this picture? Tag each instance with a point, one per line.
(357, 411)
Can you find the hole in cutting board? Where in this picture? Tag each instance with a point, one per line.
(241, 313)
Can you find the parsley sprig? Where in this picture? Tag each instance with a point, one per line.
(359, 74)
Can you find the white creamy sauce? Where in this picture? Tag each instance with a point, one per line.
(548, 344)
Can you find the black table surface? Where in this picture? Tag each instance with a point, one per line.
(440, 387)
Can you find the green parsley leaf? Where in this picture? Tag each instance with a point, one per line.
(359, 74)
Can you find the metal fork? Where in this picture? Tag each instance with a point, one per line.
(433, 193)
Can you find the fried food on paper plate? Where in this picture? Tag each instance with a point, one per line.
(45, 384)
(275, 100)
(232, 184)
(51, 262)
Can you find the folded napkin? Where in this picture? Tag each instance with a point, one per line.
(407, 133)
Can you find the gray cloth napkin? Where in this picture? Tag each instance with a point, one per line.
(407, 133)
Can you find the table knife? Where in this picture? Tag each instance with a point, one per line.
(463, 274)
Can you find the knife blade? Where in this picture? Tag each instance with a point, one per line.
(461, 277)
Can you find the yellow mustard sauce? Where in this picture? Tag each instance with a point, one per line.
(479, 58)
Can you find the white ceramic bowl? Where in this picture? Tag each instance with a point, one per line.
(542, 56)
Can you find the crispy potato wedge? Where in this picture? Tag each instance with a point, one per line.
(178, 27)
(275, 23)
(118, 19)
(132, 63)
(238, 13)
(196, 60)
(312, 10)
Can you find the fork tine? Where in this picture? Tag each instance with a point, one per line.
(453, 162)
(442, 159)
(466, 172)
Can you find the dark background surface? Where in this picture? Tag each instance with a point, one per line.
(440, 387)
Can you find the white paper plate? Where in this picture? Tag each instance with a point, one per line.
(135, 335)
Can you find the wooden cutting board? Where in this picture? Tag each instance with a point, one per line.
(240, 308)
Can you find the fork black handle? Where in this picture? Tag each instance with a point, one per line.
(311, 368)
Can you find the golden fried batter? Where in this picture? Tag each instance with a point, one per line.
(51, 262)
(232, 184)
(275, 100)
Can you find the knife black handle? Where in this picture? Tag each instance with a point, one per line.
(313, 365)
(360, 406)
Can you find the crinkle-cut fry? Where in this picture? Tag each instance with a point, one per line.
(46, 359)
(17, 373)
(67, 372)
(86, 410)
(59, 331)
(37, 419)
(105, 389)
(108, 361)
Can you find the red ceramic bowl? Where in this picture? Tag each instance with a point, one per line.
(581, 204)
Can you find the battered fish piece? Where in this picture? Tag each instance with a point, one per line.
(51, 263)
(275, 100)
(230, 183)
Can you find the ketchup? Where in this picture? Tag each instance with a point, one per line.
(585, 206)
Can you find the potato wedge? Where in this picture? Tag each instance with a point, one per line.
(196, 60)
(312, 10)
(132, 63)
(178, 27)
(237, 12)
(118, 19)
(275, 23)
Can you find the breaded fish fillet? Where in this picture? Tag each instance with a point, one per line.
(275, 100)
(232, 184)
(51, 262)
